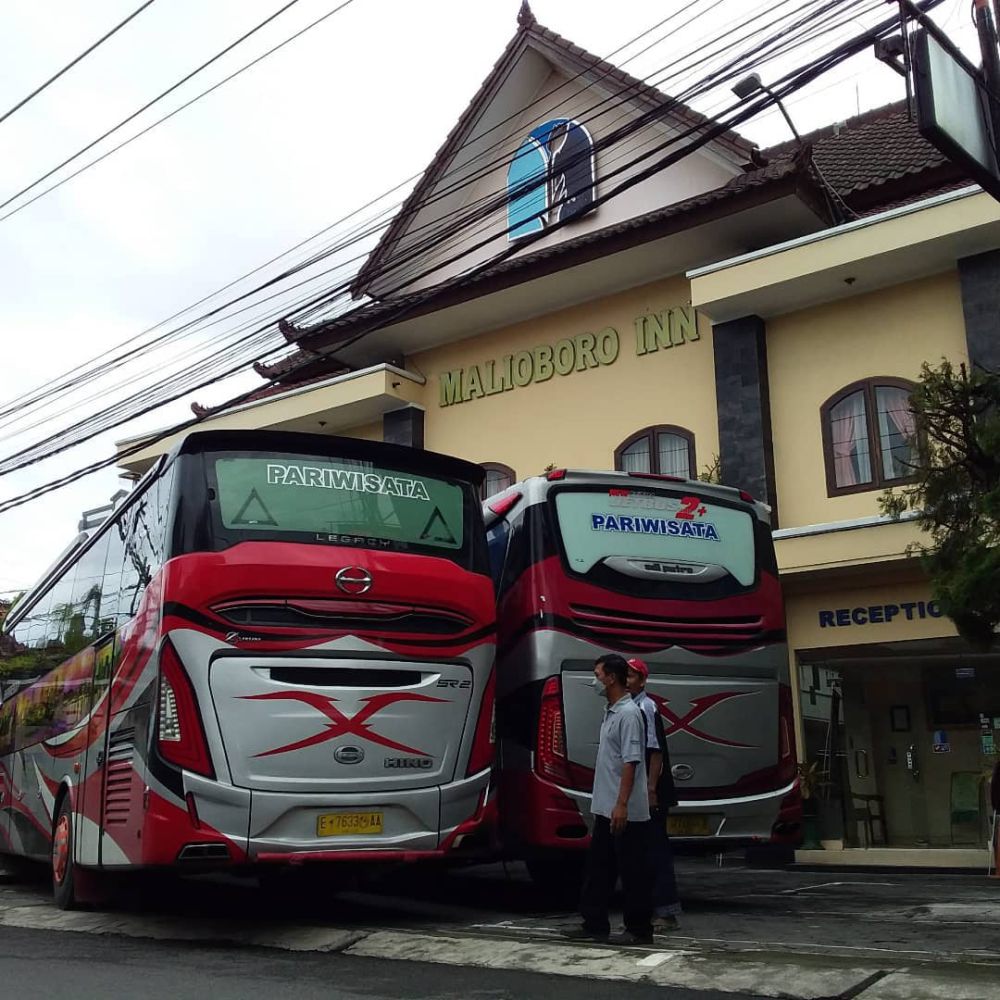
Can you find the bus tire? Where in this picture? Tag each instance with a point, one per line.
(63, 868)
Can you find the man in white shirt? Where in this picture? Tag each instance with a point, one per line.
(620, 806)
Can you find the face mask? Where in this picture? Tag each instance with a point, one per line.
(598, 688)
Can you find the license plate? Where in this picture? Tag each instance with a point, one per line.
(348, 824)
(688, 826)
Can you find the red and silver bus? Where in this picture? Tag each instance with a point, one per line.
(681, 573)
(278, 649)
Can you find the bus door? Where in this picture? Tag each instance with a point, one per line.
(121, 761)
(90, 788)
(133, 560)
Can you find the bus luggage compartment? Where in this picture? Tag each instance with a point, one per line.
(720, 730)
(347, 723)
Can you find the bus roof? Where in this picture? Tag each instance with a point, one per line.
(538, 485)
(415, 460)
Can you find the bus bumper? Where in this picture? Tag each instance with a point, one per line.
(718, 824)
(417, 823)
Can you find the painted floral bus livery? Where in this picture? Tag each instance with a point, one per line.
(678, 572)
(278, 649)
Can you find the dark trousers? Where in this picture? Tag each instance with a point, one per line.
(610, 856)
(661, 855)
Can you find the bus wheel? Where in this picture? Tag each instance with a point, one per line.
(63, 868)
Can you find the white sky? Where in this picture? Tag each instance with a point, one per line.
(346, 112)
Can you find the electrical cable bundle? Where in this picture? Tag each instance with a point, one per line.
(188, 375)
(252, 336)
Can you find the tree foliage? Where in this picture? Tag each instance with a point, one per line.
(712, 473)
(956, 494)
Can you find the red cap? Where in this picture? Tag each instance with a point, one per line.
(639, 666)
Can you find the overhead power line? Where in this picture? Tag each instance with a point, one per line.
(166, 117)
(191, 379)
(80, 377)
(21, 408)
(232, 76)
(83, 55)
(736, 115)
(74, 377)
(135, 114)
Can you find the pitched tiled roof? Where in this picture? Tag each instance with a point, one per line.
(787, 172)
(863, 157)
(295, 362)
(530, 31)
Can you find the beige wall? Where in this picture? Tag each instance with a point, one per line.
(815, 352)
(577, 420)
(365, 432)
(879, 543)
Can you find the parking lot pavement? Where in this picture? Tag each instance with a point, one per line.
(745, 931)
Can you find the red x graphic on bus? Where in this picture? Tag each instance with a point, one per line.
(699, 706)
(341, 724)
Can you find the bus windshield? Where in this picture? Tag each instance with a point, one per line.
(648, 524)
(287, 496)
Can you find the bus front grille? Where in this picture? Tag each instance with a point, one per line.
(342, 615)
(625, 628)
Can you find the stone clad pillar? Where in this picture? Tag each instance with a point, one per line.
(980, 282)
(404, 426)
(746, 451)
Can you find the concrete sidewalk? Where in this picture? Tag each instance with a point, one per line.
(748, 932)
(802, 976)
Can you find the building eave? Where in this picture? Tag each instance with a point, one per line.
(905, 243)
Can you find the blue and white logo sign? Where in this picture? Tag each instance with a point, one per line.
(551, 178)
(705, 530)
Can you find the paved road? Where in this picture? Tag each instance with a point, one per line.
(46, 964)
(746, 931)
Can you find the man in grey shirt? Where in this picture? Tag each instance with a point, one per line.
(620, 805)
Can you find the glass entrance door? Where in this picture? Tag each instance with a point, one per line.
(900, 748)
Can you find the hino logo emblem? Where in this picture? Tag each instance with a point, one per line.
(682, 772)
(348, 755)
(354, 580)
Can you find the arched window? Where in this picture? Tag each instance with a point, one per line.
(498, 477)
(665, 450)
(869, 436)
(550, 178)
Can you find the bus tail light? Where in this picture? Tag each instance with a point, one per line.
(484, 741)
(786, 736)
(746, 497)
(502, 506)
(180, 738)
(553, 475)
(551, 761)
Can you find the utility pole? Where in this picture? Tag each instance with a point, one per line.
(991, 62)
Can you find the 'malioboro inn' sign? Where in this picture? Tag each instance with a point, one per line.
(654, 331)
